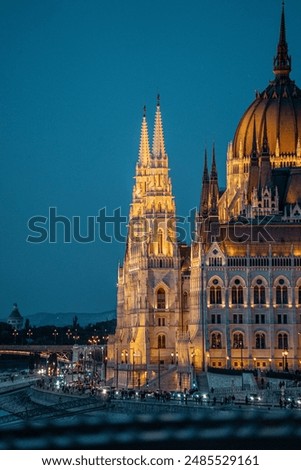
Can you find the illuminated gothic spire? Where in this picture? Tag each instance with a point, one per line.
(158, 150)
(213, 174)
(282, 61)
(213, 189)
(144, 150)
(205, 173)
(205, 190)
(265, 166)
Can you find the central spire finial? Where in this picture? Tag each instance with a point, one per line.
(282, 61)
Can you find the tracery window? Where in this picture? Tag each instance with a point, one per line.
(161, 342)
(237, 293)
(161, 299)
(216, 340)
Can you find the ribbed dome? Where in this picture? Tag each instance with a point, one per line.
(280, 106)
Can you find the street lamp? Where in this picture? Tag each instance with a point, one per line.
(127, 369)
(29, 333)
(117, 369)
(241, 345)
(15, 334)
(284, 360)
(192, 358)
(133, 369)
(94, 340)
(208, 358)
(69, 334)
(75, 337)
(159, 371)
(172, 357)
(55, 334)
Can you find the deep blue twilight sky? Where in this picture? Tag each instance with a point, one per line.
(75, 75)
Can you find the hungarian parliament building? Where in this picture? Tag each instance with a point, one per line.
(233, 298)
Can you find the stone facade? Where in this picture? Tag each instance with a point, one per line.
(232, 299)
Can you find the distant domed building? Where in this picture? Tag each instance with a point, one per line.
(232, 299)
(15, 319)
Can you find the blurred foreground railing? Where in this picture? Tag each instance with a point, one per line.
(209, 430)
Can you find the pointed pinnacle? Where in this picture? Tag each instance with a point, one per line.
(282, 61)
(205, 172)
(158, 149)
(213, 165)
(144, 150)
(265, 145)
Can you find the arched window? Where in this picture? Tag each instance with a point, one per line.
(215, 295)
(281, 293)
(160, 242)
(216, 340)
(299, 295)
(282, 341)
(161, 342)
(238, 341)
(161, 300)
(237, 293)
(260, 341)
(259, 293)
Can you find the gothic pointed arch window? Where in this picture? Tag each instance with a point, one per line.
(238, 340)
(259, 293)
(161, 299)
(216, 341)
(215, 291)
(215, 295)
(282, 340)
(281, 292)
(237, 293)
(161, 341)
(260, 342)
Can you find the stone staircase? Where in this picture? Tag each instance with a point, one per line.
(201, 380)
(168, 380)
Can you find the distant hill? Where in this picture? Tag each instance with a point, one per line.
(66, 318)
